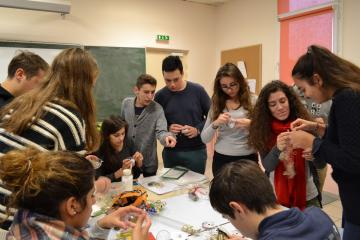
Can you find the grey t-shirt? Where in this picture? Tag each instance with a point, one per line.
(230, 141)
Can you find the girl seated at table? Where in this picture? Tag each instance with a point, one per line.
(54, 194)
(116, 152)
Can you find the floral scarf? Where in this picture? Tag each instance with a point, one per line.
(33, 226)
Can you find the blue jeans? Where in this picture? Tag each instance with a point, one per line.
(194, 160)
(351, 231)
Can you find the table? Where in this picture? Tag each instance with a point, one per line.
(180, 210)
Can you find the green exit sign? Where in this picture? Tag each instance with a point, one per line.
(163, 37)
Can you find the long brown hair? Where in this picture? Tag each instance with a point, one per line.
(260, 127)
(70, 82)
(335, 72)
(219, 97)
(110, 126)
(41, 181)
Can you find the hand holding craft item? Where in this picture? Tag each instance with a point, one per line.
(132, 160)
(231, 123)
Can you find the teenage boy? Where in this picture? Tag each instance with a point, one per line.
(242, 193)
(186, 105)
(146, 123)
(25, 71)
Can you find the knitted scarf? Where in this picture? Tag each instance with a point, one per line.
(290, 192)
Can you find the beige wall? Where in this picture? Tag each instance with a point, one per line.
(125, 23)
(202, 30)
(350, 38)
(249, 22)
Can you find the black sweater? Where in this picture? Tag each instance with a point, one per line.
(340, 147)
(187, 107)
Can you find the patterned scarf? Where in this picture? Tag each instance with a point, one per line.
(32, 226)
(290, 192)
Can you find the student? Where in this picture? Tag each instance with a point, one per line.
(320, 113)
(25, 71)
(242, 193)
(54, 115)
(322, 75)
(116, 151)
(147, 123)
(186, 105)
(231, 106)
(294, 173)
(54, 192)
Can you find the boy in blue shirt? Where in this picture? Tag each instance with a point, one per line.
(243, 194)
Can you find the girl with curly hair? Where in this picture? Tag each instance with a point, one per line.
(278, 106)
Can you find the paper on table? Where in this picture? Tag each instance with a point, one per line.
(158, 185)
(191, 177)
(161, 185)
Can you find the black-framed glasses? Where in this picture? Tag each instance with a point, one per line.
(231, 86)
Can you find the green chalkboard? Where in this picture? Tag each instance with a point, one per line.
(119, 69)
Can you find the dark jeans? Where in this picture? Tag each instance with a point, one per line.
(219, 160)
(194, 160)
(148, 174)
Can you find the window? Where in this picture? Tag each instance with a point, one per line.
(303, 23)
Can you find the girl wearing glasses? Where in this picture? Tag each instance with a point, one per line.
(116, 151)
(322, 75)
(228, 118)
(54, 193)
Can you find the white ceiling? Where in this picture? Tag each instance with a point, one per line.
(208, 2)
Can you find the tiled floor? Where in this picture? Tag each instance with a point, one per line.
(334, 210)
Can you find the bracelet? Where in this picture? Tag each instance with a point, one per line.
(214, 127)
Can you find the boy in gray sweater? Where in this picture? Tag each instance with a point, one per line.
(147, 123)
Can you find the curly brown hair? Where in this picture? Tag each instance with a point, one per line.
(219, 97)
(260, 127)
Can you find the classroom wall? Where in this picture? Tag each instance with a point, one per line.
(203, 30)
(350, 38)
(124, 23)
(249, 22)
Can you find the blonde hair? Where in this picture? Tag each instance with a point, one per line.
(40, 181)
(70, 83)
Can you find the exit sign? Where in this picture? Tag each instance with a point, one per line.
(162, 37)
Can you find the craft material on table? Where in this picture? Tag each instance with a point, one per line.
(160, 185)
